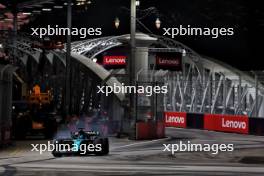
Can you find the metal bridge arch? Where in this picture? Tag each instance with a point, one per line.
(24, 50)
(205, 85)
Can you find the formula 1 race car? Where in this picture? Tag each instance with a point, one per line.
(81, 143)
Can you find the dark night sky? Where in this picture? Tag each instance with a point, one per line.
(243, 50)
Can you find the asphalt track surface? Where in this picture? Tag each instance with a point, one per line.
(143, 157)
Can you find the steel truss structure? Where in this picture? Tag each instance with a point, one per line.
(204, 85)
(86, 74)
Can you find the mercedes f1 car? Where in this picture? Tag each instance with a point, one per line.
(81, 143)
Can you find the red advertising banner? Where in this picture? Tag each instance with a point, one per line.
(175, 119)
(226, 123)
(114, 60)
(169, 61)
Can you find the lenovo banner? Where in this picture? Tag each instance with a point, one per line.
(175, 119)
(114, 60)
(226, 123)
(169, 61)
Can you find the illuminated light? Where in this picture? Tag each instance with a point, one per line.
(26, 13)
(117, 23)
(36, 11)
(1, 45)
(183, 52)
(158, 23)
(46, 9)
(37, 126)
(67, 3)
(58, 7)
(137, 3)
(8, 19)
(114, 60)
(94, 60)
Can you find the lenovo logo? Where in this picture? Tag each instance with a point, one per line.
(233, 124)
(175, 119)
(226, 123)
(114, 60)
(168, 62)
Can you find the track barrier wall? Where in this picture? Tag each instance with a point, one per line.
(150, 130)
(215, 122)
(176, 119)
(195, 121)
(256, 126)
(226, 123)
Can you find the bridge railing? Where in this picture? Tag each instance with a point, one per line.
(214, 93)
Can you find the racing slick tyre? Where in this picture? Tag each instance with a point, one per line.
(105, 146)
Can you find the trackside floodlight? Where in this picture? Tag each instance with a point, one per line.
(117, 23)
(158, 23)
